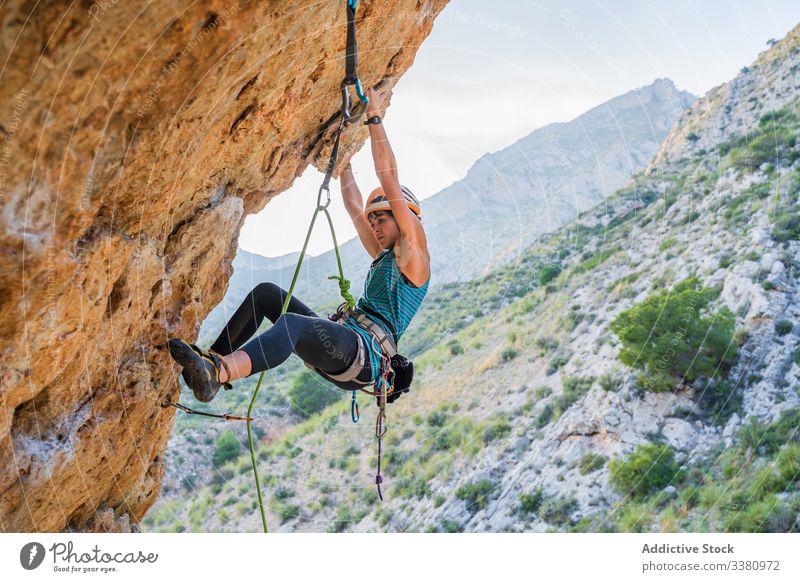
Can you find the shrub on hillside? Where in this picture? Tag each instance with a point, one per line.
(529, 503)
(548, 273)
(227, 448)
(673, 337)
(310, 393)
(558, 510)
(476, 495)
(591, 462)
(648, 469)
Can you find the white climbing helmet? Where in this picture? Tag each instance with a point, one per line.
(379, 201)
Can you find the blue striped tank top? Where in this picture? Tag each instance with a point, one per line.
(390, 296)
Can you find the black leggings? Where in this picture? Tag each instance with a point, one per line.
(322, 343)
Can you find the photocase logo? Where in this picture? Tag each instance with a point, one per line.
(31, 555)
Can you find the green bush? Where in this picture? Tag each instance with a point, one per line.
(667, 244)
(690, 217)
(413, 487)
(556, 362)
(786, 227)
(783, 326)
(788, 463)
(282, 493)
(227, 449)
(454, 347)
(223, 475)
(610, 382)
(310, 393)
(285, 511)
(548, 273)
(477, 495)
(574, 389)
(558, 511)
(719, 400)
(437, 418)
(648, 469)
(450, 526)
(768, 439)
(767, 515)
(670, 338)
(344, 518)
(773, 142)
(450, 437)
(531, 502)
(497, 429)
(596, 259)
(591, 462)
(634, 518)
(545, 416)
(546, 343)
(508, 354)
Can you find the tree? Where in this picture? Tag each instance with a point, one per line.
(310, 393)
(228, 448)
(673, 337)
(650, 468)
(548, 273)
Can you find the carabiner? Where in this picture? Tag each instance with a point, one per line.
(360, 92)
(327, 190)
(348, 117)
(380, 428)
(354, 414)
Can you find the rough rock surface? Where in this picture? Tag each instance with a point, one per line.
(134, 143)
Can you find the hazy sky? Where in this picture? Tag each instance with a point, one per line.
(492, 72)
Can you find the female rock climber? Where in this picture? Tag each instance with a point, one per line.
(390, 228)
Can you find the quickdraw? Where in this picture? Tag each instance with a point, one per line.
(380, 428)
(351, 63)
(188, 410)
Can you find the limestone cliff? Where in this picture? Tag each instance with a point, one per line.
(134, 143)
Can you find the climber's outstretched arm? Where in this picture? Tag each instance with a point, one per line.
(386, 169)
(354, 203)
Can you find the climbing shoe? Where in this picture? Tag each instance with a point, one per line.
(200, 369)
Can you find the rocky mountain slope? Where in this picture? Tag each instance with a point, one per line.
(135, 141)
(524, 418)
(535, 185)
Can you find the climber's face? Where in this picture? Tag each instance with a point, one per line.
(385, 228)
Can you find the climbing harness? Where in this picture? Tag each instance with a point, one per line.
(384, 342)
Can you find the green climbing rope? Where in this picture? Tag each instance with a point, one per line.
(344, 286)
(351, 78)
